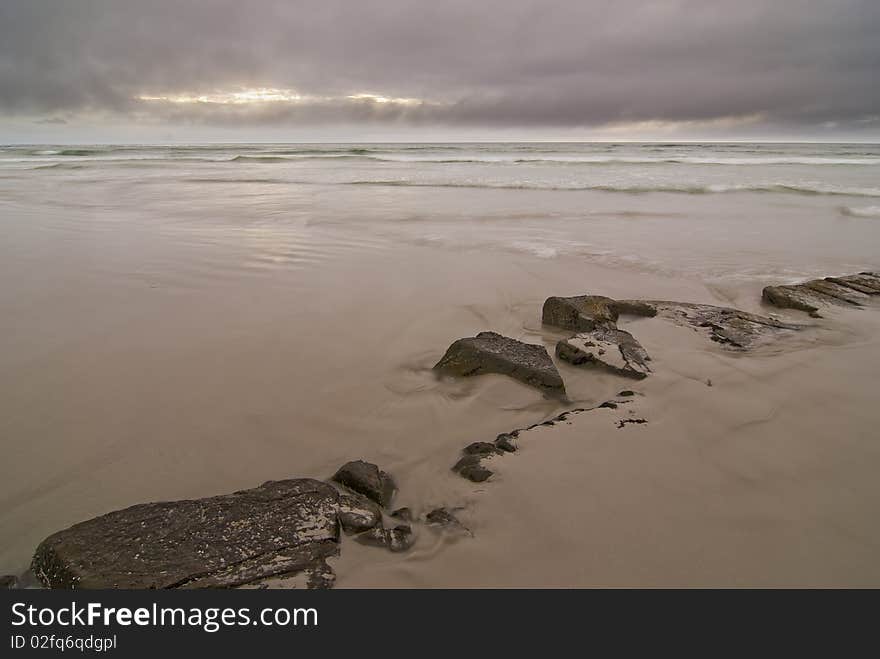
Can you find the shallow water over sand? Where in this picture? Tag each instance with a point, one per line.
(182, 322)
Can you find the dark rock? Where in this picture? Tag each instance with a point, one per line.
(482, 449)
(624, 422)
(614, 350)
(608, 404)
(8, 582)
(505, 442)
(404, 514)
(367, 479)
(282, 528)
(626, 393)
(581, 313)
(357, 513)
(489, 352)
(401, 538)
(398, 539)
(471, 467)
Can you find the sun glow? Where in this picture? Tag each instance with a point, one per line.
(269, 95)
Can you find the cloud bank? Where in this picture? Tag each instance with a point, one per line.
(796, 65)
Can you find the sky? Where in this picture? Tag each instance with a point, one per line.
(90, 71)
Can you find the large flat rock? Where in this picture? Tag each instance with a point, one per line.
(489, 352)
(282, 528)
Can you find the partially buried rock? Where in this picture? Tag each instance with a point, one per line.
(612, 349)
(398, 539)
(357, 513)
(441, 517)
(505, 441)
(483, 449)
(470, 466)
(367, 479)
(282, 528)
(489, 352)
(8, 582)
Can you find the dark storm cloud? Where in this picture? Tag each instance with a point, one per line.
(510, 62)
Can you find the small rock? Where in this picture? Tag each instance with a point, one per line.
(357, 513)
(482, 449)
(367, 479)
(471, 468)
(489, 352)
(401, 538)
(398, 539)
(504, 441)
(613, 349)
(8, 582)
(626, 393)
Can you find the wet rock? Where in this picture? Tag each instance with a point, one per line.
(581, 313)
(281, 528)
(401, 538)
(505, 441)
(471, 467)
(357, 513)
(489, 352)
(367, 479)
(613, 349)
(398, 539)
(482, 449)
(404, 514)
(8, 582)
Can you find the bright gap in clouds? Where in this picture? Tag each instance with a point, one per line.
(269, 95)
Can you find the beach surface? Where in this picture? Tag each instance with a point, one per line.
(187, 325)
